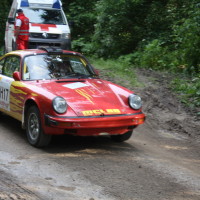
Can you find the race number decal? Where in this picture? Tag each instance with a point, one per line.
(5, 84)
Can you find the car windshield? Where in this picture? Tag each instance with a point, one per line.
(62, 66)
(44, 16)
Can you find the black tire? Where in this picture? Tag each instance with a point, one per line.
(34, 131)
(123, 137)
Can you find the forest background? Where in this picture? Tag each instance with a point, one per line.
(153, 34)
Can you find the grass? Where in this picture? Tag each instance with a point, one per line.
(188, 90)
(117, 72)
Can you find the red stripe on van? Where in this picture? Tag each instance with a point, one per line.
(44, 27)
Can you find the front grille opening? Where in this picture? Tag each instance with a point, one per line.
(48, 36)
(33, 45)
(70, 131)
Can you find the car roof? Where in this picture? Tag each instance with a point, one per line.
(42, 50)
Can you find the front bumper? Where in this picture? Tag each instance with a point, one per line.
(34, 43)
(93, 125)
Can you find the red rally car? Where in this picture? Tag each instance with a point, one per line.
(53, 91)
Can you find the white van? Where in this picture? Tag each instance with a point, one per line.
(48, 24)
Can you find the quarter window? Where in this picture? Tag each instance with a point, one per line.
(11, 64)
(1, 65)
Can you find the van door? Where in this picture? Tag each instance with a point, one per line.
(9, 35)
(10, 27)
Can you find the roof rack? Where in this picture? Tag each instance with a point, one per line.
(51, 50)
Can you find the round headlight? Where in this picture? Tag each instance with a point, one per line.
(59, 105)
(135, 101)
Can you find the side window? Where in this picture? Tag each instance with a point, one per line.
(1, 65)
(78, 66)
(12, 64)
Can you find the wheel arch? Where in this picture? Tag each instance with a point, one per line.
(27, 105)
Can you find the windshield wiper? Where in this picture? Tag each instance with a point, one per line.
(74, 75)
(49, 23)
(78, 75)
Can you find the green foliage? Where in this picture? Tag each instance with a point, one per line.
(4, 9)
(153, 55)
(81, 45)
(83, 15)
(122, 25)
(118, 28)
(116, 70)
(189, 91)
(180, 50)
(186, 37)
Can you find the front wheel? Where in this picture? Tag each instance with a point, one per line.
(121, 138)
(34, 131)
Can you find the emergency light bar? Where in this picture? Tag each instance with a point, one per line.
(24, 3)
(45, 3)
(37, 5)
(56, 4)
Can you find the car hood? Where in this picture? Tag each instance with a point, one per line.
(91, 96)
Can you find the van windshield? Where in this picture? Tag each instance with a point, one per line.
(44, 16)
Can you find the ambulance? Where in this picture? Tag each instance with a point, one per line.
(48, 24)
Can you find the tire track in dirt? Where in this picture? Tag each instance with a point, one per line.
(11, 189)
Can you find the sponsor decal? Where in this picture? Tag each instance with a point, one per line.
(5, 93)
(101, 112)
(83, 93)
(78, 87)
(17, 97)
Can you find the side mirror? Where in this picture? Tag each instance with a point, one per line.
(71, 24)
(16, 76)
(11, 20)
(96, 71)
(1, 69)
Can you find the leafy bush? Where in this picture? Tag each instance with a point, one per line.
(189, 91)
(118, 28)
(4, 9)
(81, 45)
(154, 55)
(187, 40)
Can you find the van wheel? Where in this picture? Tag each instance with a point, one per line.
(121, 138)
(35, 135)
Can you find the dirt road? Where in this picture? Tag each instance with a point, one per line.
(161, 161)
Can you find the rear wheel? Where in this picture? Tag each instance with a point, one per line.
(121, 138)
(34, 131)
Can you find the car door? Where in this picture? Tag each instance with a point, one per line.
(9, 102)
